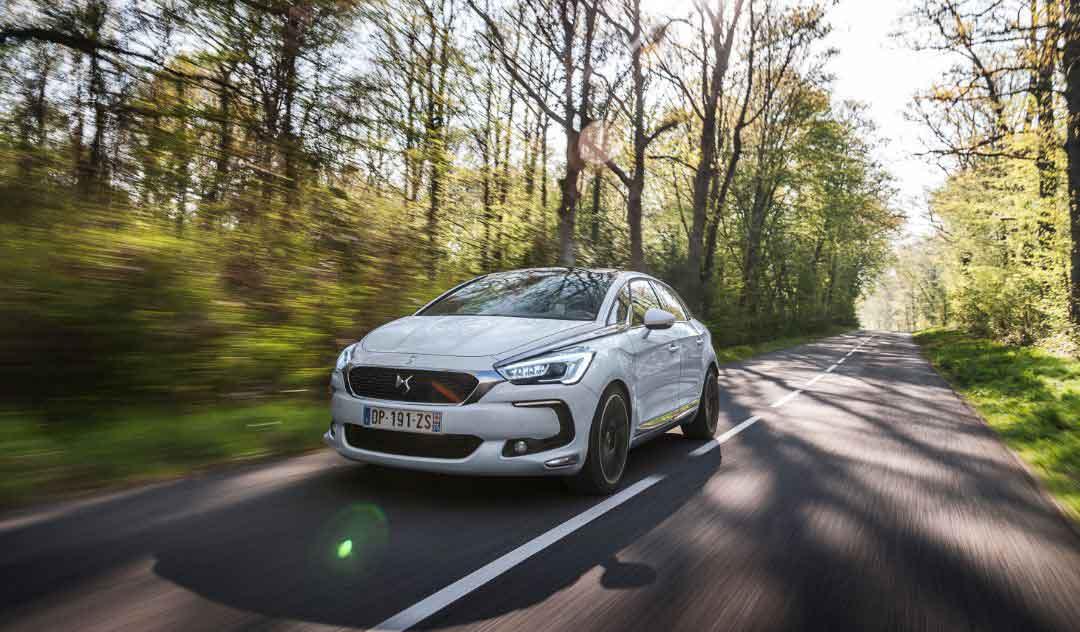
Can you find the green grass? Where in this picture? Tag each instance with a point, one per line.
(1030, 397)
(45, 460)
(736, 353)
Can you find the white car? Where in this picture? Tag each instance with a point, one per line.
(552, 371)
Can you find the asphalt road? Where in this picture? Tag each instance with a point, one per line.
(873, 499)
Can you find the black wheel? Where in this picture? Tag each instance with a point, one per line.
(703, 425)
(609, 442)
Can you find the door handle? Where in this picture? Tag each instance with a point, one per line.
(673, 347)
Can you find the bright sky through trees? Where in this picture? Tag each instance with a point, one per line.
(874, 66)
(878, 69)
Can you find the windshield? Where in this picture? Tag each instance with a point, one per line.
(558, 294)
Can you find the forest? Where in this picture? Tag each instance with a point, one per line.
(1001, 258)
(207, 199)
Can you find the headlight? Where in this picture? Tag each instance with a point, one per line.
(344, 357)
(566, 367)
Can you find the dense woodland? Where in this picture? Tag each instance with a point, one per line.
(205, 198)
(1003, 257)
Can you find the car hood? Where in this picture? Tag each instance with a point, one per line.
(468, 336)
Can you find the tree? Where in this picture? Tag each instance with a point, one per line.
(568, 30)
(640, 43)
(1072, 147)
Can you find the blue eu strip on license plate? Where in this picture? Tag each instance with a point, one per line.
(367, 415)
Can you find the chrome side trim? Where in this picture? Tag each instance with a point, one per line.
(671, 415)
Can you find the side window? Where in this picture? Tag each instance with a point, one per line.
(620, 308)
(641, 299)
(670, 302)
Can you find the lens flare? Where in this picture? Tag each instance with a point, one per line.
(351, 541)
(599, 143)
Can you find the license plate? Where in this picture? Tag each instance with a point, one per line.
(404, 419)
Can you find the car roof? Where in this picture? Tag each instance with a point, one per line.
(616, 271)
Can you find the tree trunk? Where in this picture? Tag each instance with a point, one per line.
(1047, 58)
(224, 146)
(729, 176)
(568, 202)
(703, 178)
(703, 174)
(289, 143)
(78, 130)
(486, 154)
(93, 172)
(752, 254)
(504, 181)
(1072, 146)
(437, 148)
(182, 159)
(597, 211)
(544, 166)
(636, 186)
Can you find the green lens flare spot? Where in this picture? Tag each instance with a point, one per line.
(344, 549)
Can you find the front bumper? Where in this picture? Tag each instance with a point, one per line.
(506, 413)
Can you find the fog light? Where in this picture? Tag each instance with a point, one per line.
(520, 447)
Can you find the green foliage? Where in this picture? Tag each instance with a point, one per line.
(1008, 248)
(998, 266)
(824, 229)
(1029, 396)
(105, 307)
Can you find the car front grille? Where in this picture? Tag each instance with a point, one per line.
(406, 385)
(434, 446)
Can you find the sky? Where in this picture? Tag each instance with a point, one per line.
(879, 70)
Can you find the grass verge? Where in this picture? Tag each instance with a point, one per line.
(725, 355)
(41, 461)
(1030, 397)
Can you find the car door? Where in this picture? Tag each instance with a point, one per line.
(657, 363)
(691, 347)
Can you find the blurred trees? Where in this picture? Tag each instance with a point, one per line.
(206, 197)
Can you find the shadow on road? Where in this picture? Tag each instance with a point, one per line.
(356, 546)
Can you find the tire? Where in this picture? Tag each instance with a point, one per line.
(703, 425)
(609, 443)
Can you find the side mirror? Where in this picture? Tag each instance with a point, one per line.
(658, 319)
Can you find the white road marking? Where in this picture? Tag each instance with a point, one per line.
(462, 587)
(786, 398)
(474, 580)
(724, 438)
(730, 434)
